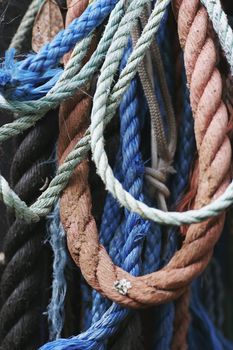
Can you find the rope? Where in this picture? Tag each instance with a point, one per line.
(59, 286)
(50, 196)
(196, 250)
(23, 278)
(23, 283)
(101, 331)
(52, 52)
(68, 84)
(25, 25)
(221, 27)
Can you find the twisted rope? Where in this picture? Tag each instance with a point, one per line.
(79, 220)
(52, 52)
(221, 27)
(59, 286)
(50, 196)
(169, 283)
(23, 280)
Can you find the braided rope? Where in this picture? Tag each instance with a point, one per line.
(48, 198)
(22, 279)
(69, 84)
(221, 27)
(79, 207)
(170, 218)
(51, 53)
(196, 251)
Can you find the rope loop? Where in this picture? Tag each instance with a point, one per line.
(105, 104)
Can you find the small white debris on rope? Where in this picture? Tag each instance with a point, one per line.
(122, 286)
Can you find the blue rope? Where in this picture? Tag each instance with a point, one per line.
(41, 67)
(86, 304)
(111, 220)
(135, 229)
(113, 229)
(59, 286)
(164, 315)
(203, 334)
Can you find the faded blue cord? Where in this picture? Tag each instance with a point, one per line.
(42, 66)
(58, 243)
(202, 333)
(164, 314)
(97, 335)
(111, 220)
(86, 305)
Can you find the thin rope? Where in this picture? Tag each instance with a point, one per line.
(56, 312)
(25, 25)
(221, 27)
(50, 196)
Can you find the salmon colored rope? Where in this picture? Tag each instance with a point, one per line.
(211, 120)
(75, 202)
(198, 62)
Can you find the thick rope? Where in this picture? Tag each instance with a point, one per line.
(51, 53)
(196, 251)
(107, 326)
(50, 196)
(23, 280)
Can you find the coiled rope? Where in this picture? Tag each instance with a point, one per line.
(158, 283)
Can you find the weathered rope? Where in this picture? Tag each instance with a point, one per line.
(52, 52)
(100, 332)
(50, 196)
(56, 312)
(23, 284)
(23, 278)
(25, 25)
(169, 283)
(221, 27)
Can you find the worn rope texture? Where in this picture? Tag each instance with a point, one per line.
(23, 283)
(25, 25)
(81, 108)
(69, 81)
(163, 316)
(116, 225)
(202, 333)
(49, 197)
(152, 257)
(186, 146)
(183, 161)
(196, 251)
(57, 241)
(78, 220)
(109, 233)
(221, 27)
(52, 52)
(84, 143)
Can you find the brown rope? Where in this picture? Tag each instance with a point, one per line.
(214, 150)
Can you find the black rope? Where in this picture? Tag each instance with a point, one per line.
(25, 279)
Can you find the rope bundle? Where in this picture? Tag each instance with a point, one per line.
(37, 84)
